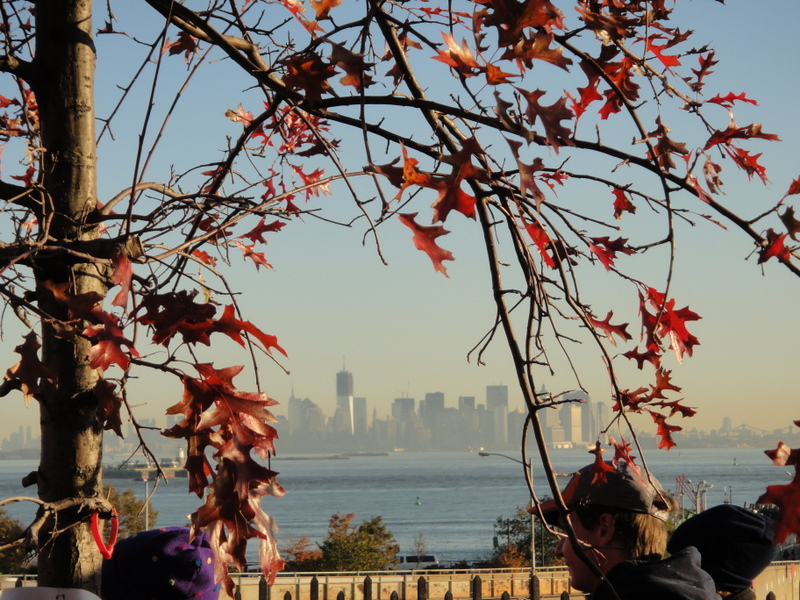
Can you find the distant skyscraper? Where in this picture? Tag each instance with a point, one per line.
(344, 396)
(602, 416)
(497, 405)
(403, 409)
(360, 417)
(466, 403)
(570, 415)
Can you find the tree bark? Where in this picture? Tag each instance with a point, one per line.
(71, 455)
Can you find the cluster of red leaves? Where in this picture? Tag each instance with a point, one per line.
(450, 195)
(661, 322)
(215, 415)
(786, 497)
(232, 424)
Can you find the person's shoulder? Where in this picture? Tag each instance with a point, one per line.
(677, 577)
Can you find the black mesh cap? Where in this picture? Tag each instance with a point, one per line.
(616, 486)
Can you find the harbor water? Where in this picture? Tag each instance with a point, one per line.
(451, 499)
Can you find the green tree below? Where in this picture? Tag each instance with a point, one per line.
(367, 547)
(130, 511)
(12, 559)
(513, 542)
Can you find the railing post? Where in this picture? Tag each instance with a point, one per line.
(534, 588)
(367, 588)
(564, 595)
(287, 595)
(314, 595)
(263, 589)
(340, 595)
(394, 596)
(477, 588)
(448, 595)
(505, 596)
(422, 589)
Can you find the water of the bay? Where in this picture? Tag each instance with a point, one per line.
(451, 498)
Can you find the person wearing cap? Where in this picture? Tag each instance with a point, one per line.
(160, 564)
(735, 545)
(618, 516)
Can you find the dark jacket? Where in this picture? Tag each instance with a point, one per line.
(678, 577)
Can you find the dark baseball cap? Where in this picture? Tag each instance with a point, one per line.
(617, 486)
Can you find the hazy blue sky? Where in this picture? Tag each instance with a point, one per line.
(404, 330)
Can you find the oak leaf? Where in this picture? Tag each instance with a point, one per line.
(787, 499)
(27, 374)
(775, 247)
(425, 240)
(233, 328)
(123, 273)
(108, 406)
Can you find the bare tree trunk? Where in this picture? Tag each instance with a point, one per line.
(71, 456)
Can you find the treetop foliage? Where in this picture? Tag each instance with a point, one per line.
(578, 135)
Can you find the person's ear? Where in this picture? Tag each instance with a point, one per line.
(606, 528)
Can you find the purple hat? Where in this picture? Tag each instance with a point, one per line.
(619, 487)
(160, 564)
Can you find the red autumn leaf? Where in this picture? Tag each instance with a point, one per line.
(663, 383)
(664, 430)
(728, 100)
(551, 116)
(650, 356)
(732, 132)
(787, 218)
(27, 179)
(794, 188)
(609, 329)
(658, 51)
(204, 257)
(27, 374)
(458, 57)
(622, 74)
(353, 65)
(324, 7)
(527, 174)
(185, 44)
(526, 50)
(748, 162)
(706, 62)
(309, 74)
(451, 197)
(257, 233)
(622, 452)
(774, 247)
(676, 407)
(6, 102)
(783, 455)
(542, 241)
(425, 240)
(81, 306)
(123, 272)
(257, 257)
(631, 400)
(107, 345)
(496, 76)
(599, 466)
(665, 147)
(233, 328)
(176, 313)
(622, 203)
(667, 322)
(108, 406)
(787, 499)
(606, 249)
